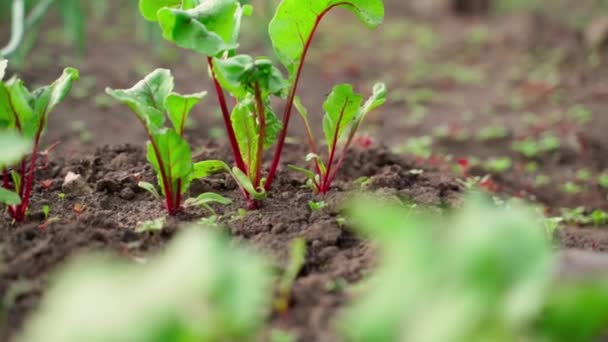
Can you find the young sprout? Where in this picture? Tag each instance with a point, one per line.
(25, 113)
(344, 113)
(153, 101)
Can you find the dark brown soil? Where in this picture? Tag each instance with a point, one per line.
(104, 220)
(460, 75)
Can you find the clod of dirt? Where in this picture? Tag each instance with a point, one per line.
(75, 184)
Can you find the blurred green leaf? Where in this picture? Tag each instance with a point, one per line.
(200, 289)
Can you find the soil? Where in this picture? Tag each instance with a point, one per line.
(450, 78)
(104, 220)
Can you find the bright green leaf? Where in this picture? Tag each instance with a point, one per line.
(295, 21)
(179, 107)
(208, 28)
(175, 156)
(208, 198)
(274, 126)
(30, 110)
(246, 130)
(147, 98)
(244, 181)
(150, 8)
(341, 108)
(239, 74)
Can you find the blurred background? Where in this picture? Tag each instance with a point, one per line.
(504, 84)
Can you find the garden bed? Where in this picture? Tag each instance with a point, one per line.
(467, 87)
(104, 219)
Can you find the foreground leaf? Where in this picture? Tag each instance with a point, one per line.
(460, 273)
(226, 298)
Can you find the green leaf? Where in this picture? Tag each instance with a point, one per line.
(14, 148)
(56, 92)
(274, 126)
(207, 198)
(149, 188)
(240, 73)
(30, 110)
(295, 21)
(179, 107)
(246, 131)
(341, 108)
(576, 312)
(9, 197)
(207, 168)
(3, 65)
(149, 8)
(309, 174)
(457, 271)
(209, 28)
(244, 181)
(175, 154)
(16, 104)
(147, 99)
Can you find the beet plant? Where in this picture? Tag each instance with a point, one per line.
(211, 28)
(344, 113)
(153, 101)
(25, 113)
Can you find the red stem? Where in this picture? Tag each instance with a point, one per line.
(325, 182)
(5, 179)
(238, 158)
(288, 108)
(351, 136)
(28, 183)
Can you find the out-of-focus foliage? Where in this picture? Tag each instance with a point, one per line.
(200, 289)
(483, 274)
(74, 15)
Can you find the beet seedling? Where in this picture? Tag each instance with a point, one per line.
(212, 28)
(153, 101)
(26, 113)
(344, 113)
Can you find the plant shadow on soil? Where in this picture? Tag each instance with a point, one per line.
(104, 219)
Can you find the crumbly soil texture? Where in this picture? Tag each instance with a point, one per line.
(463, 90)
(104, 220)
